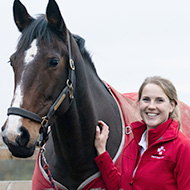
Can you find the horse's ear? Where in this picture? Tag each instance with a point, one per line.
(55, 19)
(21, 16)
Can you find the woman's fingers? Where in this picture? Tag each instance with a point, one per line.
(104, 128)
(102, 132)
(97, 131)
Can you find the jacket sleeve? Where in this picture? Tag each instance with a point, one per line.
(109, 172)
(182, 171)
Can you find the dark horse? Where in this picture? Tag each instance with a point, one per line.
(43, 69)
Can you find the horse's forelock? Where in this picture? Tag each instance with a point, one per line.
(38, 29)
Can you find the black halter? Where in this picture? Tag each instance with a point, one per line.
(65, 96)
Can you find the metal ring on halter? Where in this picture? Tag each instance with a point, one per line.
(72, 64)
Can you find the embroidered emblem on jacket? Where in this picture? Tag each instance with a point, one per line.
(160, 153)
(161, 150)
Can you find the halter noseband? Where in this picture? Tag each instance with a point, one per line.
(65, 96)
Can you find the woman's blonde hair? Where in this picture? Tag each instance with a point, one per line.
(168, 88)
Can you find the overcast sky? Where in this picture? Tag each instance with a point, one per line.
(128, 40)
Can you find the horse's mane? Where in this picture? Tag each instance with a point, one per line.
(81, 44)
(38, 29)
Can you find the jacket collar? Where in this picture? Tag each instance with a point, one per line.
(164, 132)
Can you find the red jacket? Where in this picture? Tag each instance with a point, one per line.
(165, 165)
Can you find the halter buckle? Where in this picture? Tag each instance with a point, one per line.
(70, 85)
(44, 132)
(44, 121)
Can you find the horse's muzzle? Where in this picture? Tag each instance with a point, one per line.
(19, 147)
(19, 151)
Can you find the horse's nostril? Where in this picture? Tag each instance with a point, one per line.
(3, 128)
(5, 139)
(24, 137)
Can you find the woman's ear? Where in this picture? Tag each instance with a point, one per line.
(173, 104)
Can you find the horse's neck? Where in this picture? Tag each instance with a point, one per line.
(74, 132)
(92, 102)
(73, 141)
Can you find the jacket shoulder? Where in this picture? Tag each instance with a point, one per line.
(183, 140)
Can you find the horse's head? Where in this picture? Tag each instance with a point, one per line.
(40, 66)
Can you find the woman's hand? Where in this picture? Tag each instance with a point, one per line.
(101, 137)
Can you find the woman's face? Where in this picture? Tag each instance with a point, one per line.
(154, 106)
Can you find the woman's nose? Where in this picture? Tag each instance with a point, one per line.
(151, 105)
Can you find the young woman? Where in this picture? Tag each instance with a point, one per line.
(158, 158)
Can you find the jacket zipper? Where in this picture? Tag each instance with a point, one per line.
(131, 185)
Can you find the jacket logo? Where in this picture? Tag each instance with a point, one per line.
(160, 153)
(161, 150)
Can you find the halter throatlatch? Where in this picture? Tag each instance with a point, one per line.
(65, 96)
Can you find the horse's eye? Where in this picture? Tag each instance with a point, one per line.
(53, 62)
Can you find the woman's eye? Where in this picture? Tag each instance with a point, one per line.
(145, 99)
(159, 100)
(53, 62)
